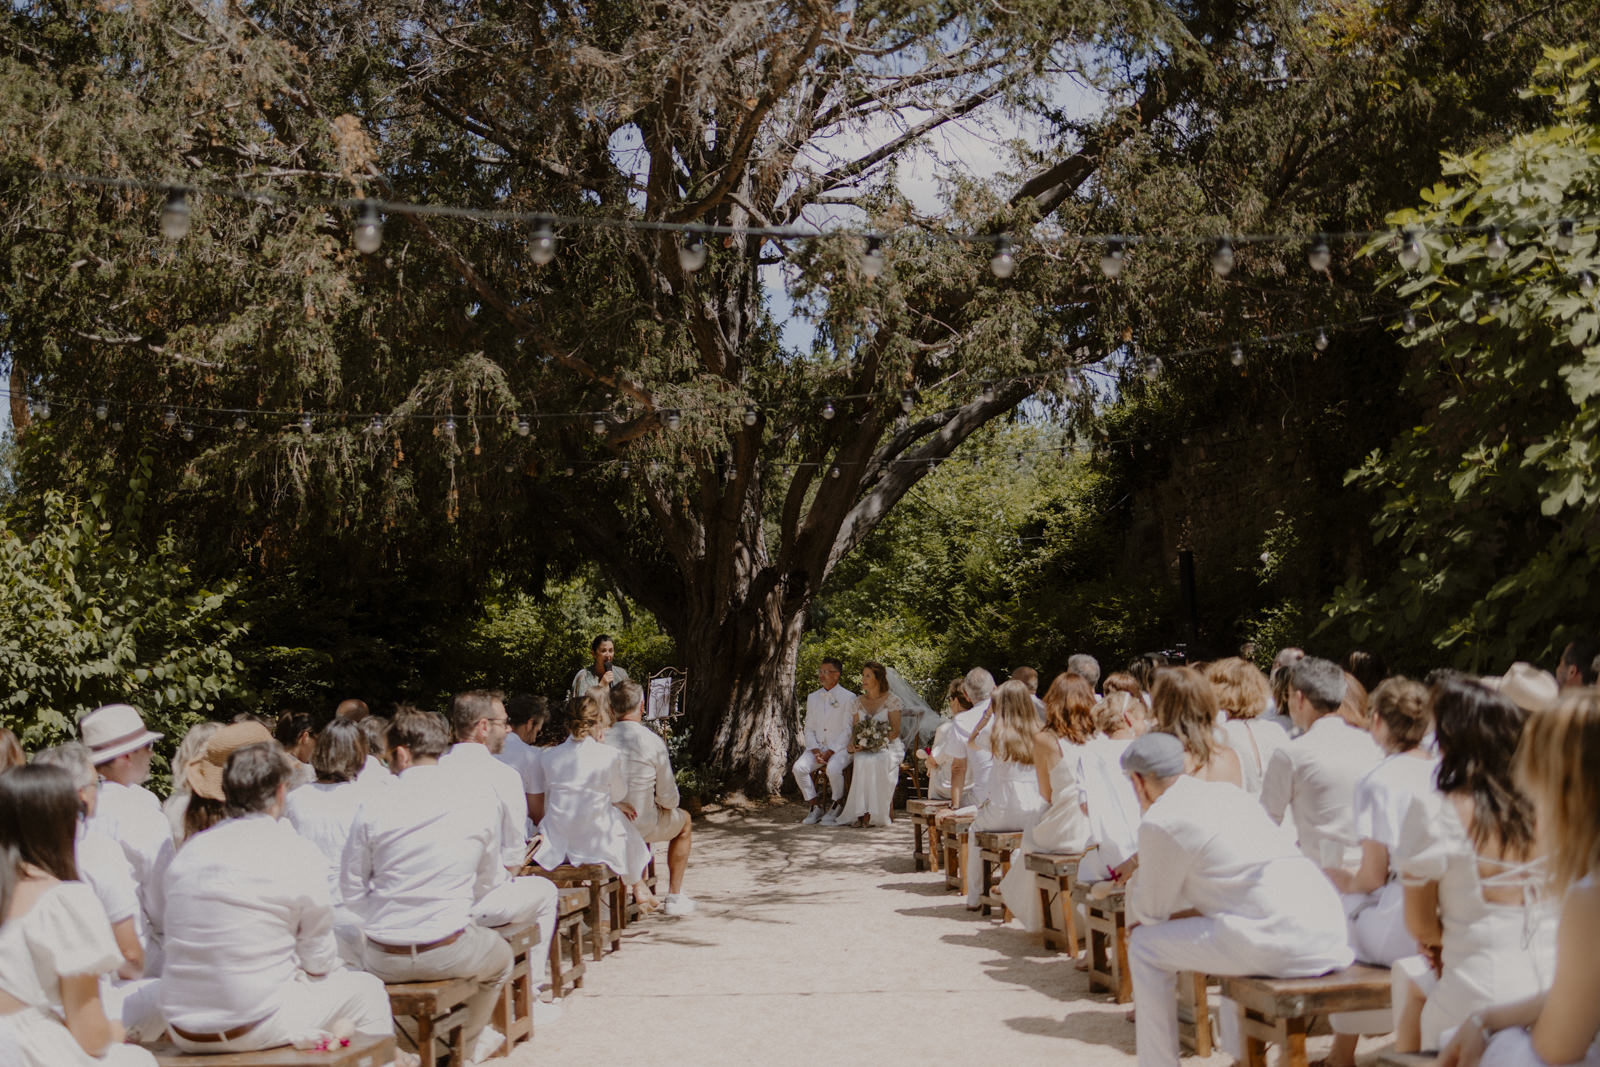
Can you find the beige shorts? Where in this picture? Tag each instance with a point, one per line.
(669, 824)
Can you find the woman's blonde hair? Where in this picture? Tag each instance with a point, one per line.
(1242, 690)
(1353, 709)
(1015, 723)
(1116, 711)
(1558, 765)
(587, 716)
(192, 745)
(1185, 706)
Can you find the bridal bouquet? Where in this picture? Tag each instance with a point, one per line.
(870, 735)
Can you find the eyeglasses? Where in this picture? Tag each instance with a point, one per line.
(498, 722)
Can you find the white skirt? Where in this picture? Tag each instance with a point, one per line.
(872, 787)
(42, 1040)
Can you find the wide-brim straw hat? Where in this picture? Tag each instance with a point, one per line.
(1526, 686)
(204, 772)
(114, 730)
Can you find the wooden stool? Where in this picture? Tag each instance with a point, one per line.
(954, 834)
(603, 885)
(1107, 934)
(363, 1051)
(921, 813)
(513, 1012)
(1279, 1010)
(1053, 874)
(573, 907)
(437, 1009)
(1194, 1013)
(994, 857)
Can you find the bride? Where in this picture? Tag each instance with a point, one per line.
(876, 773)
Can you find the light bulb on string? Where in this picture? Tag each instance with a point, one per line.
(1566, 235)
(448, 427)
(1222, 257)
(570, 471)
(834, 471)
(41, 408)
(599, 424)
(239, 423)
(828, 410)
(305, 423)
(1004, 263)
(375, 427)
(542, 244)
(368, 234)
(510, 466)
(692, 252)
(1113, 259)
(116, 424)
(908, 401)
(626, 470)
(1321, 343)
(1493, 300)
(751, 415)
(674, 420)
(169, 417)
(102, 408)
(1494, 244)
(872, 260)
(986, 394)
(1410, 251)
(175, 216)
(186, 432)
(1236, 355)
(524, 428)
(1408, 321)
(1319, 257)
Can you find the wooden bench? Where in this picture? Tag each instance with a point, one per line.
(921, 813)
(436, 1010)
(1106, 924)
(1194, 1013)
(1053, 875)
(953, 833)
(1391, 1058)
(994, 859)
(604, 886)
(1279, 1010)
(362, 1051)
(513, 1012)
(570, 918)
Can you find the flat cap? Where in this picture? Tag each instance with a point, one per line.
(1156, 754)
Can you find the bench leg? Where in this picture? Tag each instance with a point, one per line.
(986, 872)
(919, 859)
(1255, 1046)
(425, 1050)
(1294, 1042)
(1119, 966)
(595, 900)
(935, 846)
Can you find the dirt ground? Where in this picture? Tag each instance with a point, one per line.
(821, 945)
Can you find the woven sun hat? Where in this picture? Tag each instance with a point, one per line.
(1526, 686)
(114, 730)
(204, 773)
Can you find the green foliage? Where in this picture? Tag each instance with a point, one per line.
(1490, 500)
(88, 617)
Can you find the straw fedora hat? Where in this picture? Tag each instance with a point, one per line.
(204, 772)
(1526, 686)
(114, 730)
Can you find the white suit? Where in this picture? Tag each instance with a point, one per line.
(827, 727)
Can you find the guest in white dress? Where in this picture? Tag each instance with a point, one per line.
(324, 811)
(876, 772)
(1049, 806)
(940, 754)
(1243, 695)
(1558, 765)
(587, 818)
(55, 941)
(1183, 704)
(1468, 860)
(1108, 797)
(193, 743)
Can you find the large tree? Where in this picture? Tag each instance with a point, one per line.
(723, 115)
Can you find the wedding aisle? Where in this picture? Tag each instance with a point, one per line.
(821, 946)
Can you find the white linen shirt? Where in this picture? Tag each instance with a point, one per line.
(647, 767)
(247, 911)
(132, 817)
(472, 762)
(1314, 777)
(419, 856)
(323, 813)
(103, 866)
(524, 759)
(584, 779)
(975, 750)
(373, 772)
(828, 719)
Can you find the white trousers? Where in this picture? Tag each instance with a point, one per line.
(531, 899)
(312, 1005)
(806, 766)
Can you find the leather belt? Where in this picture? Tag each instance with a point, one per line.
(407, 950)
(215, 1038)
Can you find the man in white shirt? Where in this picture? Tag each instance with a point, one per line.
(525, 716)
(970, 763)
(126, 812)
(652, 789)
(1219, 890)
(826, 740)
(1314, 776)
(251, 957)
(422, 870)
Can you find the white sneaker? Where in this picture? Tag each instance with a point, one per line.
(828, 820)
(488, 1043)
(812, 816)
(678, 904)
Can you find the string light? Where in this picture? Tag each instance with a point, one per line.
(305, 423)
(1236, 356)
(834, 471)
(186, 432)
(368, 234)
(1408, 321)
(828, 411)
(523, 428)
(448, 427)
(872, 260)
(240, 423)
(1004, 263)
(1566, 235)
(116, 424)
(1113, 259)
(169, 417)
(375, 427)
(1321, 343)
(986, 394)
(102, 408)
(674, 420)
(41, 408)
(1319, 257)
(1222, 257)
(1410, 254)
(626, 470)
(542, 245)
(1493, 299)
(175, 216)
(908, 401)
(692, 252)
(751, 415)
(1494, 245)
(599, 424)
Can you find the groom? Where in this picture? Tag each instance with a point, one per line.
(827, 741)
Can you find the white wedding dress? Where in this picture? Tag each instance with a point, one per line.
(876, 773)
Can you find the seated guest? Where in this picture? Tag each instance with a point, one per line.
(1123, 682)
(586, 810)
(826, 737)
(1278, 678)
(479, 723)
(1183, 704)
(1368, 668)
(193, 743)
(324, 811)
(1030, 678)
(1219, 890)
(55, 942)
(1108, 799)
(652, 789)
(1558, 766)
(970, 763)
(352, 709)
(872, 785)
(1086, 667)
(525, 717)
(939, 756)
(375, 768)
(298, 737)
(1467, 858)
(1244, 695)
(1062, 826)
(251, 958)
(1314, 776)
